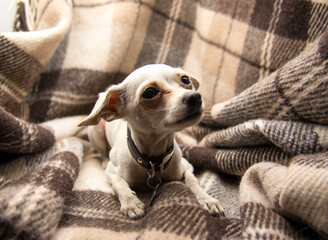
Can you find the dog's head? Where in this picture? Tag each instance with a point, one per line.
(152, 98)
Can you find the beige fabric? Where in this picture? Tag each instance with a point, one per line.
(261, 148)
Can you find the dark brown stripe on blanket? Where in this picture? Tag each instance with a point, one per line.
(203, 158)
(242, 135)
(18, 73)
(292, 137)
(155, 33)
(297, 92)
(182, 35)
(232, 161)
(319, 160)
(18, 136)
(219, 6)
(20, 21)
(18, 65)
(173, 210)
(102, 3)
(293, 13)
(233, 7)
(30, 212)
(259, 222)
(285, 13)
(4, 181)
(305, 193)
(69, 92)
(32, 206)
(57, 60)
(318, 22)
(169, 33)
(262, 14)
(58, 174)
(276, 43)
(226, 7)
(248, 70)
(232, 228)
(323, 45)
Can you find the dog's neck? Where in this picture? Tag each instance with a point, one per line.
(152, 144)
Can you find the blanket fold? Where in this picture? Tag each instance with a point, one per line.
(32, 206)
(18, 136)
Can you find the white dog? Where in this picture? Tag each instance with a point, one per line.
(148, 107)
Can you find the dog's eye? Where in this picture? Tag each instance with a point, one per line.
(150, 93)
(185, 80)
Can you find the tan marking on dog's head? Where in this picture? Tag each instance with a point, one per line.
(187, 81)
(157, 102)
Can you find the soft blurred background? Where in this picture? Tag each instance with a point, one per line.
(6, 17)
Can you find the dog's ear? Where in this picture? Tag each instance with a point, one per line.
(107, 107)
(195, 82)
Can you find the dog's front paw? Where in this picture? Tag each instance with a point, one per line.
(212, 205)
(133, 207)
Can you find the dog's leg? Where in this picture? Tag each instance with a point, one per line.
(97, 137)
(131, 205)
(64, 127)
(211, 204)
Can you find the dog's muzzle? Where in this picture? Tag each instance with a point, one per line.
(193, 102)
(192, 99)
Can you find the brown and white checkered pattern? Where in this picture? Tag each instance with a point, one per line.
(262, 65)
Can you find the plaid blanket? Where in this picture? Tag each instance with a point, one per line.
(261, 148)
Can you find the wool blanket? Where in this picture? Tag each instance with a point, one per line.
(261, 148)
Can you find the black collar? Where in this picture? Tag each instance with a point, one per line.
(160, 163)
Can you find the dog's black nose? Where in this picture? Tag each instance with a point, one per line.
(192, 99)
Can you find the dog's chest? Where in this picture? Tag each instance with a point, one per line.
(136, 175)
(123, 163)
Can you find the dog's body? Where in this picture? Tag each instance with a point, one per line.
(141, 117)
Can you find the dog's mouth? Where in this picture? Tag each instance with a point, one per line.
(195, 115)
(184, 120)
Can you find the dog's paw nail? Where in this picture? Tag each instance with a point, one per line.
(133, 209)
(135, 215)
(213, 206)
(216, 210)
